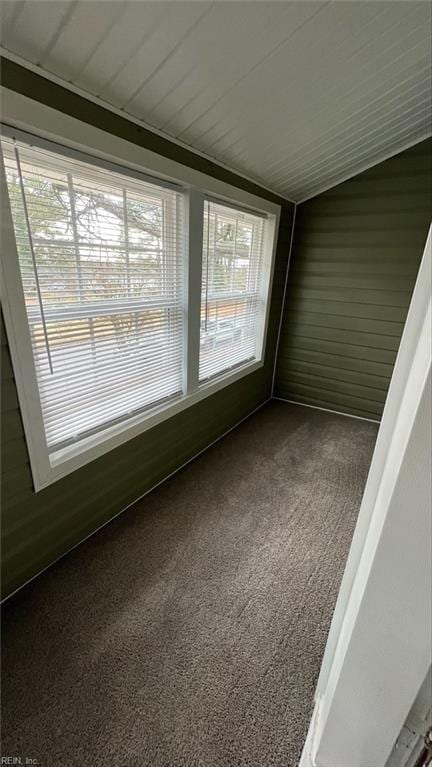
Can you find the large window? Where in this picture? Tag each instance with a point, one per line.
(102, 270)
(231, 300)
(127, 298)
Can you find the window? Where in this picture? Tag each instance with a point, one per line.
(127, 298)
(231, 300)
(101, 264)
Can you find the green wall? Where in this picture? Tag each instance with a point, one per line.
(355, 256)
(39, 527)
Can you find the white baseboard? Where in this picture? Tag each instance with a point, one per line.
(327, 410)
(307, 758)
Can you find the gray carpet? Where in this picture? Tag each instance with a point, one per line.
(189, 632)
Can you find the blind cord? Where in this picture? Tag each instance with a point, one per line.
(33, 256)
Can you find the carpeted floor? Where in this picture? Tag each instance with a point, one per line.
(189, 632)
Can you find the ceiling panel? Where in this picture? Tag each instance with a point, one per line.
(35, 32)
(166, 33)
(211, 74)
(295, 95)
(91, 24)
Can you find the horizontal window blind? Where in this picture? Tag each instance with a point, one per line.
(231, 297)
(101, 260)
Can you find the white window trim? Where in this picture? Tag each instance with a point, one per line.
(24, 114)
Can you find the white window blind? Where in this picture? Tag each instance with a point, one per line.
(232, 305)
(101, 260)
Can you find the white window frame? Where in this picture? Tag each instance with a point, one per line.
(26, 118)
(243, 295)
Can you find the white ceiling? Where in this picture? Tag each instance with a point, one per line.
(295, 95)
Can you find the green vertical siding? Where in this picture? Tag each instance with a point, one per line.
(39, 527)
(356, 253)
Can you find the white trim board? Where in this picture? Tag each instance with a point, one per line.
(140, 497)
(130, 118)
(326, 409)
(293, 220)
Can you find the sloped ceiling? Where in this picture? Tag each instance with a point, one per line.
(295, 95)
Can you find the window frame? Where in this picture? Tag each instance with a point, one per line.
(93, 309)
(33, 122)
(245, 295)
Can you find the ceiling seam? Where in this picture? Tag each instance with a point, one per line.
(241, 115)
(79, 70)
(393, 153)
(132, 53)
(350, 149)
(189, 31)
(200, 92)
(70, 10)
(19, 7)
(406, 134)
(362, 108)
(258, 64)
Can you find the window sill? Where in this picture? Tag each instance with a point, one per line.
(74, 457)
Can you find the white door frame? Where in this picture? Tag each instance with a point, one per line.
(379, 646)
